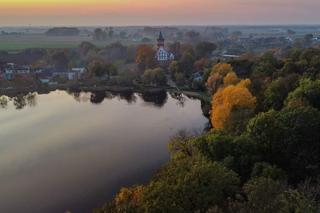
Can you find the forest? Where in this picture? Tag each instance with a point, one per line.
(262, 153)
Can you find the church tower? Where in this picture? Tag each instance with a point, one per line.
(160, 40)
(163, 56)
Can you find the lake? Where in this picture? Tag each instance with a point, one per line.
(73, 151)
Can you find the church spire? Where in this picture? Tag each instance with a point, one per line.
(160, 40)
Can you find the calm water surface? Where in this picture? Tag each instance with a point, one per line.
(61, 151)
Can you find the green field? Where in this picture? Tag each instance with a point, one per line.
(21, 42)
(16, 46)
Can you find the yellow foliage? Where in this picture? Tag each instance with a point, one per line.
(222, 69)
(217, 75)
(230, 79)
(229, 97)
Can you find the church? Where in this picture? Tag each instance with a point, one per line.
(163, 56)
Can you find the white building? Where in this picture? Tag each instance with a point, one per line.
(163, 56)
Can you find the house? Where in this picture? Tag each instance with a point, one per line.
(9, 74)
(76, 73)
(9, 71)
(44, 77)
(22, 69)
(197, 77)
(163, 56)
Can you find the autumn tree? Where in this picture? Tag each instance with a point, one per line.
(201, 64)
(230, 79)
(230, 101)
(218, 72)
(145, 57)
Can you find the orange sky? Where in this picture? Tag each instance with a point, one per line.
(143, 12)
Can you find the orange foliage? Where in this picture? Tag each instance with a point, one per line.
(230, 79)
(219, 71)
(145, 56)
(222, 69)
(229, 97)
(200, 64)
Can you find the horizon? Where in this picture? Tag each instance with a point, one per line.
(154, 13)
(166, 25)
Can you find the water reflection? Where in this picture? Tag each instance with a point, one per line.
(4, 102)
(19, 101)
(77, 155)
(156, 98)
(179, 97)
(97, 97)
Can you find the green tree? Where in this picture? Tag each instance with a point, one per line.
(307, 93)
(284, 139)
(204, 49)
(278, 90)
(189, 185)
(155, 77)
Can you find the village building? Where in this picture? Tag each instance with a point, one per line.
(163, 56)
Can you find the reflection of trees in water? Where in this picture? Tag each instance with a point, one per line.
(206, 108)
(20, 101)
(110, 95)
(129, 96)
(158, 98)
(81, 97)
(4, 100)
(97, 97)
(181, 100)
(31, 99)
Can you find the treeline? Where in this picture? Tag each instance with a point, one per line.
(262, 154)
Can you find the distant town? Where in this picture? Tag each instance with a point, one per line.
(67, 55)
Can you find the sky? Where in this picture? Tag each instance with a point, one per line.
(160, 12)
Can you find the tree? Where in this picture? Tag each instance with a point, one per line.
(174, 68)
(307, 93)
(100, 69)
(201, 64)
(231, 99)
(180, 79)
(59, 59)
(204, 49)
(266, 64)
(189, 185)
(99, 34)
(237, 153)
(145, 57)
(230, 79)
(155, 77)
(278, 90)
(262, 195)
(186, 63)
(284, 139)
(218, 72)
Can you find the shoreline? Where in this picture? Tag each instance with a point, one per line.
(87, 88)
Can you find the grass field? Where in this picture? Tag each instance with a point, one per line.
(14, 43)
